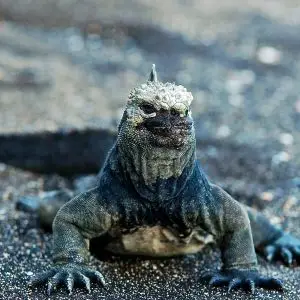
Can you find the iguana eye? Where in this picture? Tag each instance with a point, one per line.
(175, 112)
(148, 108)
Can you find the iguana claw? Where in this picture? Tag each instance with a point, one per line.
(286, 248)
(68, 275)
(245, 279)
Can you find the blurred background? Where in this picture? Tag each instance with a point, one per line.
(68, 65)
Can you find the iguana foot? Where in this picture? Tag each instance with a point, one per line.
(245, 279)
(285, 248)
(68, 275)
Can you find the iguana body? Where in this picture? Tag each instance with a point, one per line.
(154, 199)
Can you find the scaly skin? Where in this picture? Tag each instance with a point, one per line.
(151, 177)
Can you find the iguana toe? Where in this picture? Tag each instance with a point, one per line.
(96, 276)
(247, 280)
(251, 285)
(70, 283)
(217, 280)
(41, 278)
(69, 276)
(286, 248)
(286, 255)
(54, 282)
(234, 283)
(271, 283)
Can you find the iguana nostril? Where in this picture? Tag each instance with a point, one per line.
(148, 108)
(175, 113)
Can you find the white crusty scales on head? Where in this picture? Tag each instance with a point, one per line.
(153, 198)
(157, 148)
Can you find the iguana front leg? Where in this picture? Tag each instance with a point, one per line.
(230, 224)
(79, 220)
(271, 241)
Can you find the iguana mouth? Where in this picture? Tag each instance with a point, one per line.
(169, 137)
(166, 125)
(173, 131)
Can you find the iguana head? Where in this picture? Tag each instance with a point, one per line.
(160, 112)
(156, 131)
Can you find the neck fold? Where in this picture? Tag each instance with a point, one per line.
(157, 173)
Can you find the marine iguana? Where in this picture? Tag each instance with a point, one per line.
(154, 199)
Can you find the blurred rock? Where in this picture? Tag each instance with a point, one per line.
(286, 139)
(50, 203)
(84, 183)
(269, 55)
(28, 203)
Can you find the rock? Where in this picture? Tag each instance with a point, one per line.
(286, 139)
(84, 183)
(50, 203)
(281, 157)
(28, 203)
(269, 55)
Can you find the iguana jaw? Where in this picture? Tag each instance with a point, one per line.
(156, 134)
(168, 131)
(148, 156)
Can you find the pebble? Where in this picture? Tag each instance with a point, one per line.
(281, 157)
(296, 181)
(29, 273)
(8, 194)
(290, 202)
(238, 80)
(247, 77)
(286, 139)
(275, 220)
(3, 213)
(236, 100)
(3, 167)
(33, 184)
(223, 131)
(28, 203)
(267, 196)
(269, 55)
(74, 39)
